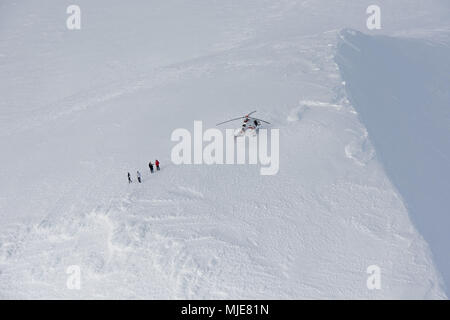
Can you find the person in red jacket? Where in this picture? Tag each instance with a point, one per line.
(157, 165)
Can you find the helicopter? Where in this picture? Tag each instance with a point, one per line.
(250, 125)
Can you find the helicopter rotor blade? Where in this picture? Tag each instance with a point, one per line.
(262, 120)
(229, 120)
(246, 116)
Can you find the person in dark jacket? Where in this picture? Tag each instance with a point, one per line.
(138, 174)
(129, 178)
(150, 165)
(157, 165)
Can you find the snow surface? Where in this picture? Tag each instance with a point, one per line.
(407, 91)
(79, 109)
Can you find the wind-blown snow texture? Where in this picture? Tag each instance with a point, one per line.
(79, 109)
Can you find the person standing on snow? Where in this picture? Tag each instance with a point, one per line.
(157, 164)
(138, 176)
(150, 165)
(129, 178)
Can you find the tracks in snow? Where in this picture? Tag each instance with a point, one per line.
(163, 239)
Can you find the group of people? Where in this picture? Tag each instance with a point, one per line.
(138, 174)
